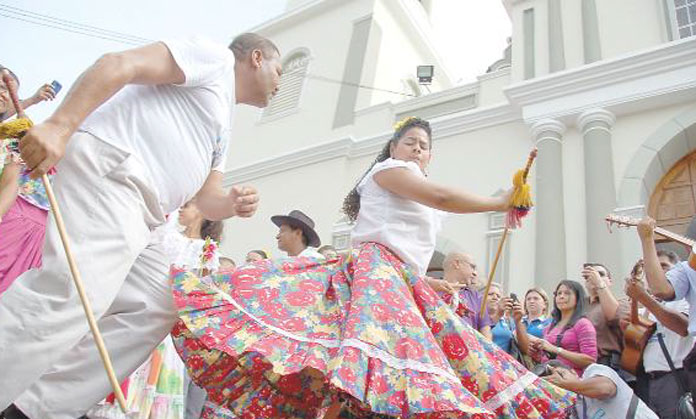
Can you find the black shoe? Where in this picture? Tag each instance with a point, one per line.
(13, 413)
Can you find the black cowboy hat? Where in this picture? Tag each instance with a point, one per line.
(298, 219)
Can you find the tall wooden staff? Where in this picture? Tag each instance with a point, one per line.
(10, 83)
(521, 204)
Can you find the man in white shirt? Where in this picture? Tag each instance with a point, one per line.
(601, 393)
(677, 284)
(140, 133)
(659, 387)
(296, 235)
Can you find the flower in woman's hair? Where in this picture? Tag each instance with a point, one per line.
(209, 249)
(400, 124)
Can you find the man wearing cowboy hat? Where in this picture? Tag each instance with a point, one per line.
(296, 235)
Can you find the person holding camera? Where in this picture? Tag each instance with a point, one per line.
(604, 311)
(45, 92)
(506, 317)
(23, 204)
(602, 393)
(570, 338)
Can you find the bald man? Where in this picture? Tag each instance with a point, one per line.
(461, 269)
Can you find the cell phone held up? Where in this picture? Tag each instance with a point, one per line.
(514, 298)
(56, 86)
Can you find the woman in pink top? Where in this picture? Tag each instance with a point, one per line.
(570, 338)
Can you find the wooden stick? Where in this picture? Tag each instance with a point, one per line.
(11, 87)
(491, 274)
(530, 160)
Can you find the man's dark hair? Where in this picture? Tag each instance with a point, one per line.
(243, 44)
(305, 239)
(673, 257)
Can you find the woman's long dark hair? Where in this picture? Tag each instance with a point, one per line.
(580, 306)
(212, 229)
(351, 203)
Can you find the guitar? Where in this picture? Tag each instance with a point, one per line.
(633, 222)
(640, 329)
(637, 332)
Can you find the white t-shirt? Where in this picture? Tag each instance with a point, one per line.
(615, 407)
(677, 346)
(179, 132)
(406, 227)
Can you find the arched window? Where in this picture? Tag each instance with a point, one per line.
(288, 98)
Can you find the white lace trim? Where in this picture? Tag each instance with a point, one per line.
(373, 352)
(506, 395)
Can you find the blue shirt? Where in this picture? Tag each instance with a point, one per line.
(502, 333)
(536, 327)
(683, 280)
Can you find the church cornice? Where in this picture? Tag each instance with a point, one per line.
(351, 148)
(656, 77)
(295, 16)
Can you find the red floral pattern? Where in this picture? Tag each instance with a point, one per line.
(292, 335)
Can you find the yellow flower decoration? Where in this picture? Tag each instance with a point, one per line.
(400, 124)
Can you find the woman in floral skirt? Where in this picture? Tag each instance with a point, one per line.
(364, 336)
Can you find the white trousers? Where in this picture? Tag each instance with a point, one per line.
(49, 365)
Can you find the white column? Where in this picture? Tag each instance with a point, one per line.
(600, 188)
(550, 255)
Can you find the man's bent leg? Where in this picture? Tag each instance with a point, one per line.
(41, 316)
(140, 317)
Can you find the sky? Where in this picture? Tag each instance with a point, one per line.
(39, 53)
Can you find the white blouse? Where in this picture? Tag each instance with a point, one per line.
(406, 227)
(183, 252)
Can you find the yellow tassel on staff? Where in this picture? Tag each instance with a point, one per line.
(521, 204)
(522, 196)
(15, 128)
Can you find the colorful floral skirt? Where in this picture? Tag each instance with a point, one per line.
(286, 338)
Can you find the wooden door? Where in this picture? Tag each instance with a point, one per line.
(673, 203)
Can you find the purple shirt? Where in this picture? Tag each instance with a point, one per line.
(468, 308)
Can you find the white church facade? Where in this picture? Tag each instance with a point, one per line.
(605, 89)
